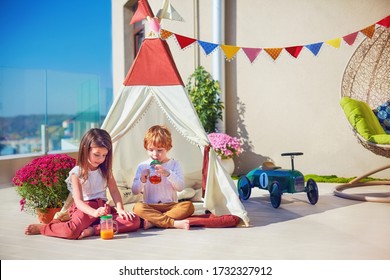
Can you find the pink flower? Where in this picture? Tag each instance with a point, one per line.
(225, 145)
(22, 202)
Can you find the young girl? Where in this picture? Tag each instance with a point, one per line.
(87, 182)
(160, 206)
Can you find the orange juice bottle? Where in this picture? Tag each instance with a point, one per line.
(107, 227)
(107, 233)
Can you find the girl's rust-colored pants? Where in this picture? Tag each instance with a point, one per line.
(163, 215)
(79, 221)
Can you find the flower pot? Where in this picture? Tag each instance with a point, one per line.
(228, 164)
(46, 216)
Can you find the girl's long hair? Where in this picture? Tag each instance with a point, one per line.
(95, 138)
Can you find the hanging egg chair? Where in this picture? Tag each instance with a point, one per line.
(365, 86)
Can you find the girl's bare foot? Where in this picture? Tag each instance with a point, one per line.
(33, 229)
(89, 231)
(182, 224)
(147, 224)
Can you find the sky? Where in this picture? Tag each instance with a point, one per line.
(60, 35)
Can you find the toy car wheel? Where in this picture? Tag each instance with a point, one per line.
(275, 195)
(244, 187)
(312, 191)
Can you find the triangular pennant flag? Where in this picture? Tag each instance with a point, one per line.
(169, 12)
(252, 53)
(350, 38)
(294, 51)
(207, 47)
(143, 11)
(165, 34)
(230, 51)
(369, 31)
(314, 48)
(184, 41)
(334, 42)
(274, 52)
(385, 22)
(154, 25)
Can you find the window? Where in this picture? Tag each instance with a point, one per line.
(42, 110)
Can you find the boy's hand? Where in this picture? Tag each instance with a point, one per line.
(144, 175)
(162, 171)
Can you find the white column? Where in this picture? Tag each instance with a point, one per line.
(218, 57)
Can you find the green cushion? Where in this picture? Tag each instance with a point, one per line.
(363, 119)
(383, 139)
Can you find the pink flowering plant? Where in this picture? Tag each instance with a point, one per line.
(225, 145)
(41, 183)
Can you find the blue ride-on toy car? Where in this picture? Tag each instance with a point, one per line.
(277, 181)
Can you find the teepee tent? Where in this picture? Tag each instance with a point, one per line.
(153, 93)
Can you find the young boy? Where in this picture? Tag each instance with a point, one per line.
(160, 206)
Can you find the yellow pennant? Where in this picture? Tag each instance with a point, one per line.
(273, 52)
(369, 31)
(230, 51)
(165, 34)
(334, 43)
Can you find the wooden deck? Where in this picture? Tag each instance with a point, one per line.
(334, 228)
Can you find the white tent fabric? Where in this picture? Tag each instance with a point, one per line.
(138, 107)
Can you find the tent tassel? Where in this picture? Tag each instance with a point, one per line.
(205, 168)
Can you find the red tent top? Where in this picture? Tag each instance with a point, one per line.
(153, 66)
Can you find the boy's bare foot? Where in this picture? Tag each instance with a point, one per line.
(182, 224)
(147, 224)
(89, 231)
(33, 229)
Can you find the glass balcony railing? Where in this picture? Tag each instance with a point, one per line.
(44, 111)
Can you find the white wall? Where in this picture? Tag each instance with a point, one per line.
(288, 104)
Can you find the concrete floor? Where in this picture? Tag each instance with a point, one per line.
(333, 229)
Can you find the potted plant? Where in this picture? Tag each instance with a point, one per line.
(226, 148)
(204, 93)
(41, 183)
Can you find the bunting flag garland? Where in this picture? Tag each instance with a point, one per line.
(252, 53)
(273, 52)
(350, 38)
(230, 51)
(165, 34)
(314, 48)
(294, 51)
(143, 11)
(184, 41)
(334, 43)
(385, 22)
(207, 47)
(369, 31)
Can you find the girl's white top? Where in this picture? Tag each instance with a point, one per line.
(93, 188)
(166, 190)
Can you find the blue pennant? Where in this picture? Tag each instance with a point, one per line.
(314, 48)
(207, 47)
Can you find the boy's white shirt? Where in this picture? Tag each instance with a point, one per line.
(166, 190)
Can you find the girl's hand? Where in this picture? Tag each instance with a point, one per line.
(101, 211)
(126, 215)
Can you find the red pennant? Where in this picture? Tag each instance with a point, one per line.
(385, 22)
(350, 38)
(142, 12)
(294, 51)
(184, 41)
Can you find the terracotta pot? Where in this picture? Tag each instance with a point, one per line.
(47, 216)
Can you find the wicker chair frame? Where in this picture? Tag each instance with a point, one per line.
(367, 78)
